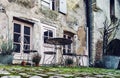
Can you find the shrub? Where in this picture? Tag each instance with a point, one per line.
(68, 61)
(36, 58)
(7, 48)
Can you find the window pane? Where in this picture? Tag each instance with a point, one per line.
(27, 39)
(16, 37)
(64, 36)
(26, 30)
(45, 38)
(69, 51)
(17, 28)
(69, 37)
(64, 51)
(17, 49)
(26, 47)
(50, 33)
(46, 33)
(69, 46)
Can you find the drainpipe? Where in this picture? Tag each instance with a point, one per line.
(89, 21)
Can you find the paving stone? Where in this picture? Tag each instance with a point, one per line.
(24, 75)
(11, 77)
(56, 77)
(50, 73)
(99, 76)
(43, 75)
(36, 77)
(65, 75)
(4, 72)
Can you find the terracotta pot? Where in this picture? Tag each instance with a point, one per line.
(36, 64)
(23, 63)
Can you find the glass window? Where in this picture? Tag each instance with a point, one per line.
(17, 49)
(17, 28)
(48, 34)
(67, 48)
(22, 36)
(16, 37)
(26, 30)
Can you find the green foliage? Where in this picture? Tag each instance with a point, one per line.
(68, 61)
(49, 13)
(25, 3)
(36, 58)
(7, 48)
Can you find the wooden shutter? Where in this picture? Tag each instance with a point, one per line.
(63, 6)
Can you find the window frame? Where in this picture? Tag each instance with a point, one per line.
(55, 5)
(22, 38)
(66, 48)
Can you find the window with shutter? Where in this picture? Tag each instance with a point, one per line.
(57, 5)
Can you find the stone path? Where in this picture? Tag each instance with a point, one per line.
(53, 73)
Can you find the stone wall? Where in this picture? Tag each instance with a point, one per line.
(74, 21)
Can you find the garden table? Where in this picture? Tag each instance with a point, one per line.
(58, 41)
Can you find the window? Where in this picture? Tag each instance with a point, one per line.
(112, 9)
(22, 36)
(68, 48)
(57, 5)
(47, 34)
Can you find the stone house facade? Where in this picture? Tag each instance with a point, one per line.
(105, 13)
(30, 22)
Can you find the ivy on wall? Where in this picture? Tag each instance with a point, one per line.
(49, 13)
(25, 3)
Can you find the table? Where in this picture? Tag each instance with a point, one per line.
(58, 41)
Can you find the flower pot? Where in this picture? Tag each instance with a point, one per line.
(36, 64)
(111, 62)
(6, 59)
(23, 63)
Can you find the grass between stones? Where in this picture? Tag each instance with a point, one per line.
(66, 72)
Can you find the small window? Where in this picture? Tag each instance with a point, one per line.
(68, 48)
(57, 5)
(48, 34)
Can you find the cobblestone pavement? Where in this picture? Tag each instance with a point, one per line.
(39, 72)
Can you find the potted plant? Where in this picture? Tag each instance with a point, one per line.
(6, 50)
(23, 63)
(36, 59)
(69, 62)
(112, 57)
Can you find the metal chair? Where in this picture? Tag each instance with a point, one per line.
(51, 59)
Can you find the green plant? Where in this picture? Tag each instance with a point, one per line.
(7, 48)
(49, 14)
(68, 61)
(36, 58)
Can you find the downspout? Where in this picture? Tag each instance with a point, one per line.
(89, 22)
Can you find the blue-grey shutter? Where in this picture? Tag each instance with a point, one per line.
(63, 6)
